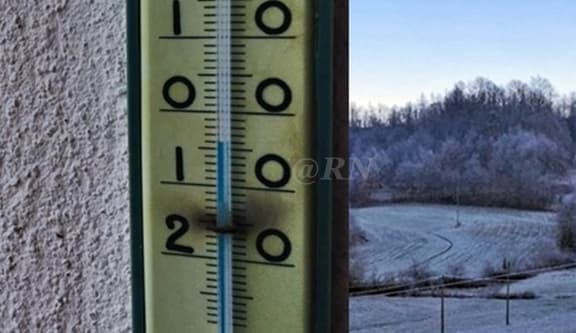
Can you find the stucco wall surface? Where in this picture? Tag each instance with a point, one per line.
(64, 231)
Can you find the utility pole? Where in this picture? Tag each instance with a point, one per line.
(458, 184)
(507, 268)
(442, 308)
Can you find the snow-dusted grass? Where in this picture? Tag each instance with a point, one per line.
(407, 240)
(552, 285)
(553, 311)
(404, 236)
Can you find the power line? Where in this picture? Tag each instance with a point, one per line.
(405, 288)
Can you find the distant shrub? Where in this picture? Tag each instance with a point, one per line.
(520, 295)
(358, 272)
(567, 225)
(358, 235)
(361, 277)
(456, 270)
(551, 258)
(490, 270)
(419, 272)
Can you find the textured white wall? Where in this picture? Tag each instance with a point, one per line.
(64, 230)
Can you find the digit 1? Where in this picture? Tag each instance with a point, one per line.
(176, 16)
(179, 164)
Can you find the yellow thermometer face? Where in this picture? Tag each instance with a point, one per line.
(271, 52)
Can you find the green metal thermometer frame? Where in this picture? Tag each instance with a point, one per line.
(330, 69)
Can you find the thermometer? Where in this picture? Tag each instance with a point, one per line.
(231, 127)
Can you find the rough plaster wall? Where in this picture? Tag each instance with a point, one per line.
(64, 242)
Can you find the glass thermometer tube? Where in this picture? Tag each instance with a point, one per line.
(224, 221)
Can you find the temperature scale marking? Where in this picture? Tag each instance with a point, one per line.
(225, 115)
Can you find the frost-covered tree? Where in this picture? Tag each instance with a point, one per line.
(567, 225)
(480, 144)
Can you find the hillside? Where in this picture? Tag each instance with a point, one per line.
(403, 235)
(404, 243)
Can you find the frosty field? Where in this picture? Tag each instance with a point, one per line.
(400, 236)
(393, 240)
(553, 311)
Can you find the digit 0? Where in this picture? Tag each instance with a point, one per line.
(171, 100)
(286, 245)
(286, 95)
(272, 158)
(286, 17)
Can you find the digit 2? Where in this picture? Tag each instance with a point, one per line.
(171, 241)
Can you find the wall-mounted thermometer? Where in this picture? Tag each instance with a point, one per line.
(230, 102)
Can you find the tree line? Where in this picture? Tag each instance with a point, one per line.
(478, 144)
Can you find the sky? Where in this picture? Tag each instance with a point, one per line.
(401, 49)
